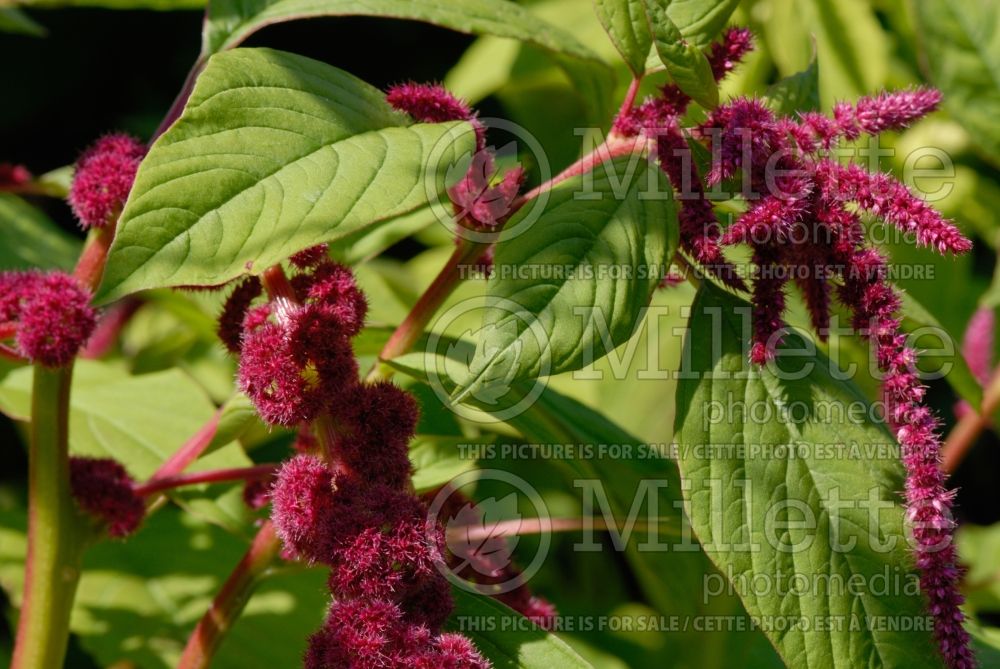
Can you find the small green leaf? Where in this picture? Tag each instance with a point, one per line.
(626, 25)
(700, 21)
(796, 93)
(29, 239)
(686, 64)
(961, 44)
(510, 643)
(609, 234)
(273, 153)
(230, 22)
(13, 20)
(768, 515)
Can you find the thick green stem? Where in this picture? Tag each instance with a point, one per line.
(56, 531)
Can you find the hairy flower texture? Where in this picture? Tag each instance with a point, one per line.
(379, 420)
(433, 103)
(303, 507)
(293, 364)
(479, 202)
(699, 228)
(802, 220)
(977, 344)
(330, 290)
(230, 328)
(346, 505)
(12, 176)
(374, 634)
(52, 315)
(310, 257)
(102, 488)
(104, 176)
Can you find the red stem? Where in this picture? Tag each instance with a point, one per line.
(614, 147)
(191, 449)
(230, 600)
(413, 326)
(155, 485)
(90, 266)
(630, 95)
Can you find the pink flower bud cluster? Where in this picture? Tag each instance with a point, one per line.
(350, 507)
(49, 315)
(803, 224)
(482, 201)
(104, 176)
(102, 488)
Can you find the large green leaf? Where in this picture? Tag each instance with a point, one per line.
(138, 600)
(29, 239)
(768, 516)
(961, 40)
(138, 420)
(609, 240)
(273, 153)
(159, 5)
(626, 25)
(641, 481)
(510, 645)
(232, 21)
(685, 62)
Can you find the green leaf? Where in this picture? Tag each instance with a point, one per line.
(626, 25)
(138, 600)
(768, 517)
(438, 459)
(501, 636)
(849, 42)
(29, 239)
(643, 481)
(13, 20)
(230, 22)
(610, 239)
(138, 420)
(699, 21)
(159, 5)
(917, 319)
(796, 93)
(961, 44)
(273, 153)
(686, 64)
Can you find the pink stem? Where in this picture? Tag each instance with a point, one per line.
(155, 485)
(191, 449)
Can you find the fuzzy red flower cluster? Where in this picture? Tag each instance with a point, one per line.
(103, 488)
(348, 508)
(803, 223)
(49, 315)
(482, 198)
(104, 176)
